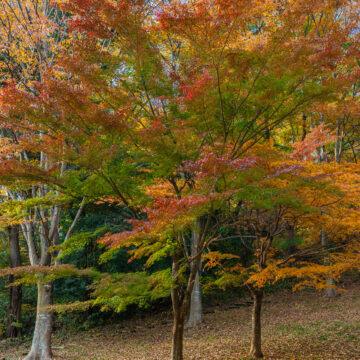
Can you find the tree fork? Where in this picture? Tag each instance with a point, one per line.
(181, 303)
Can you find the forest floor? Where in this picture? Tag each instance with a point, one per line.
(302, 325)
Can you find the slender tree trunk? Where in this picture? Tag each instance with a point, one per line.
(339, 142)
(304, 132)
(292, 246)
(255, 349)
(14, 309)
(41, 344)
(330, 292)
(178, 338)
(179, 319)
(195, 316)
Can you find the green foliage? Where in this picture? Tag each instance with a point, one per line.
(118, 291)
(79, 241)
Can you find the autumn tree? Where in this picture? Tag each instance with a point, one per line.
(277, 192)
(206, 78)
(32, 33)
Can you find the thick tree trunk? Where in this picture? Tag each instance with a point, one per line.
(330, 292)
(255, 349)
(195, 312)
(195, 316)
(41, 344)
(14, 309)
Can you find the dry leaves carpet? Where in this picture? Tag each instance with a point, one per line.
(295, 326)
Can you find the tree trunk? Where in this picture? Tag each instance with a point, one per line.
(292, 246)
(180, 303)
(195, 312)
(178, 328)
(330, 292)
(178, 338)
(41, 344)
(14, 309)
(255, 349)
(304, 132)
(181, 295)
(339, 143)
(195, 316)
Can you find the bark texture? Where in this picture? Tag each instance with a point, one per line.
(181, 290)
(41, 344)
(195, 316)
(178, 311)
(181, 296)
(178, 339)
(14, 309)
(255, 349)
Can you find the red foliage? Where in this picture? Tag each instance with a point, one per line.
(212, 165)
(306, 149)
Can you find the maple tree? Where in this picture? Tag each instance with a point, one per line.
(32, 34)
(208, 96)
(286, 194)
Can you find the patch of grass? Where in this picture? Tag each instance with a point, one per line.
(297, 329)
(324, 337)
